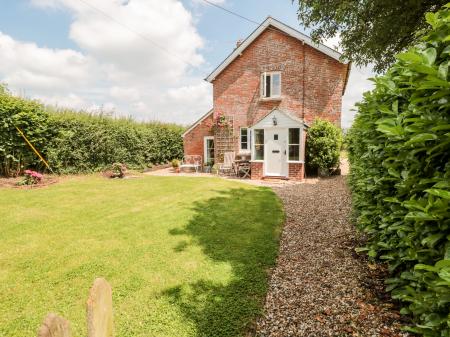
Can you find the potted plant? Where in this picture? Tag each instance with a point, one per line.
(176, 165)
(209, 164)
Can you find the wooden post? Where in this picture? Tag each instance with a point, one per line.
(54, 326)
(99, 310)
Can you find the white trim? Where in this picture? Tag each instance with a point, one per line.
(284, 28)
(205, 149)
(201, 119)
(264, 87)
(299, 144)
(248, 149)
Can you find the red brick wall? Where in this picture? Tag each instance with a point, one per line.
(193, 140)
(257, 170)
(305, 73)
(296, 171)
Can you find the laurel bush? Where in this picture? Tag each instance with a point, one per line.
(399, 150)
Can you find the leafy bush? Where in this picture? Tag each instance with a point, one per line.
(323, 145)
(79, 142)
(32, 119)
(399, 149)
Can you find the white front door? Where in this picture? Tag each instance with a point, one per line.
(275, 162)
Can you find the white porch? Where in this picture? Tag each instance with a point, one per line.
(278, 141)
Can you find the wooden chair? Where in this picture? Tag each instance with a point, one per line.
(227, 165)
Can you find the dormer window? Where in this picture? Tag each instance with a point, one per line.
(271, 85)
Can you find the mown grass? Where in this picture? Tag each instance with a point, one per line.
(184, 256)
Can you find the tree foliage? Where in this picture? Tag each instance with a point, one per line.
(323, 145)
(399, 149)
(76, 142)
(371, 31)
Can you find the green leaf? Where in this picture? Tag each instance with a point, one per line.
(431, 240)
(430, 55)
(443, 71)
(420, 138)
(440, 193)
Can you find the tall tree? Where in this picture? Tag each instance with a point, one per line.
(371, 31)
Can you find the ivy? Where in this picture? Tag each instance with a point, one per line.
(399, 150)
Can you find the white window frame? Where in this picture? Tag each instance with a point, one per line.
(205, 148)
(254, 145)
(263, 84)
(300, 135)
(249, 140)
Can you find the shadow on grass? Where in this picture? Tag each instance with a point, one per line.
(240, 227)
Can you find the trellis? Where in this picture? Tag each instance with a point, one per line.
(224, 139)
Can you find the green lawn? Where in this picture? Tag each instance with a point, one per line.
(184, 256)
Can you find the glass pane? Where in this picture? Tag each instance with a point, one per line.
(294, 152)
(244, 146)
(268, 86)
(294, 136)
(259, 136)
(259, 152)
(243, 132)
(276, 85)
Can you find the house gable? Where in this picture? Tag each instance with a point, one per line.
(267, 24)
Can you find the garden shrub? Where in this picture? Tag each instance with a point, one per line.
(399, 150)
(30, 117)
(75, 142)
(323, 145)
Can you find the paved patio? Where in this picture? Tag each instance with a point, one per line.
(170, 172)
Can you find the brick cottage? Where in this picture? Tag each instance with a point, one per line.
(265, 93)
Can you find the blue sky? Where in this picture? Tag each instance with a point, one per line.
(81, 58)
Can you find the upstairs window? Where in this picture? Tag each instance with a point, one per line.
(271, 85)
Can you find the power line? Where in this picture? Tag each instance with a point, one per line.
(142, 36)
(231, 12)
(250, 20)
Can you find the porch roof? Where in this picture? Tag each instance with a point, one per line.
(284, 119)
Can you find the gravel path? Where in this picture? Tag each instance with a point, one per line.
(320, 286)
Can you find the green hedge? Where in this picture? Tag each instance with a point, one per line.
(399, 150)
(76, 142)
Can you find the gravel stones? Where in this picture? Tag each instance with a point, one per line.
(320, 286)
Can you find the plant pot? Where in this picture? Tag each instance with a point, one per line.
(324, 172)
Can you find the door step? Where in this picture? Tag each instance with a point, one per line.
(274, 178)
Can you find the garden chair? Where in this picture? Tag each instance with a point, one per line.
(191, 162)
(227, 165)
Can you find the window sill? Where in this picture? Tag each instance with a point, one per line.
(257, 161)
(268, 99)
(295, 161)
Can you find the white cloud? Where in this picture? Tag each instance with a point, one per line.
(201, 2)
(133, 58)
(136, 57)
(25, 65)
